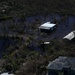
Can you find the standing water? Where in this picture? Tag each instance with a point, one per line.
(64, 27)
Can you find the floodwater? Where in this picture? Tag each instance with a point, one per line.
(63, 28)
(4, 42)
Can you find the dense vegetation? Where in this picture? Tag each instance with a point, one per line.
(15, 8)
(19, 56)
(21, 60)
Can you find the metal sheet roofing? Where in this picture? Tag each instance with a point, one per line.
(46, 42)
(6, 74)
(70, 36)
(47, 25)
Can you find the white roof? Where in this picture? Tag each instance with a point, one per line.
(70, 36)
(6, 74)
(47, 25)
(46, 42)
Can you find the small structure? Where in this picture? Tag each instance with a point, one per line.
(46, 43)
(62, 66)
(43, 44)
(70, 36)
(47, 26)
(6, 74)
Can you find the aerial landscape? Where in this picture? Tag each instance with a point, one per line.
(37, 37)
